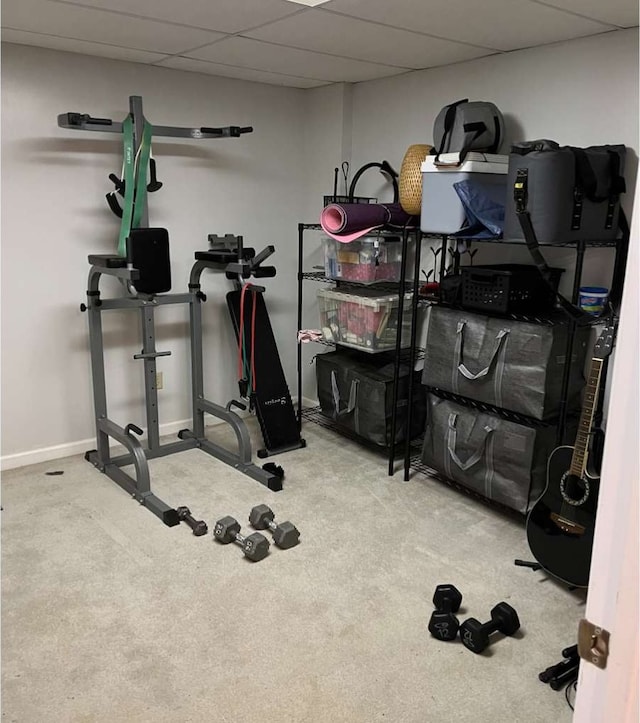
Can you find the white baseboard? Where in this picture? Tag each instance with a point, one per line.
(48, 454)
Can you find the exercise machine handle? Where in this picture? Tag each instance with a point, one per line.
(133, 428)
(264, 272)
(230, 131)
(152, 355)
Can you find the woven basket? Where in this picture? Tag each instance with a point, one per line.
(410, 181)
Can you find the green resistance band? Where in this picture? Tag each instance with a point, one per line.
(135, 180)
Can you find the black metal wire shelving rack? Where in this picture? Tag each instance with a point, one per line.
(411, 449)
(399, 357)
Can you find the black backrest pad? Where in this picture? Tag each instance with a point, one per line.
(148, 251)
(274, 407)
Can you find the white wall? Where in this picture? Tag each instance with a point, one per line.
(54, 214)
(580, 93)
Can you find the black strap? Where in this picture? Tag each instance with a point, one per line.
(497, 135)
(618, 186)
(477, 128)
(580, 317)
(585, 176)
(587, 180)
(449, 119)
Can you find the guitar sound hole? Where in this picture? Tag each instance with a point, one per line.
(574, 489)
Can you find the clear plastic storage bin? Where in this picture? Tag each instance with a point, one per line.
(365, 320)
(366, 260)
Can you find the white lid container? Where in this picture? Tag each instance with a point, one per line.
(473, 163)
(442, 211)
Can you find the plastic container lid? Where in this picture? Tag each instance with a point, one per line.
(594, 291)
(373, 238)
(363, 297)
(473, 163)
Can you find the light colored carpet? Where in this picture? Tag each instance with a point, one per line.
(110, 616)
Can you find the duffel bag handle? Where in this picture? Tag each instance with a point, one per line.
(587, 181)
(449, 118)
(462, 368)
(451, 445)
(353, 397)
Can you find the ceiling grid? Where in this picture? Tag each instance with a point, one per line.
(285, 43)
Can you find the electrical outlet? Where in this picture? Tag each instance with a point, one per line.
(159, 380)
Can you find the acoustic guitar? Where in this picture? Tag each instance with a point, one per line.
(561, 523)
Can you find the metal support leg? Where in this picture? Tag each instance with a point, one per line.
(396, 365)
(197, 374)
(140, 487)
(412, 353)
(240, 460)
(150, 372)
(300, 236)
(98, 376)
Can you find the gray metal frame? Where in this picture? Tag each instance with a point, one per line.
(138, 454)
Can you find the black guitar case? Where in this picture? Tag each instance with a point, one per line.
(273, 404)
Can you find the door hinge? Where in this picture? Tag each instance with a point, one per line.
(593, 643)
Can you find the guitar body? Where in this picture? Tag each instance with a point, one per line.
(561, 523)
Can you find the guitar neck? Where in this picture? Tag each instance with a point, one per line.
(579, 458)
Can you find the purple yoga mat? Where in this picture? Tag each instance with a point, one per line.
(348, 221)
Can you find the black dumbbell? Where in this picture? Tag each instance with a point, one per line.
(567, 675)
(199, 527)
(254, 546)
(475, 635)
(443, 623)
(571, 659)
(285, 534)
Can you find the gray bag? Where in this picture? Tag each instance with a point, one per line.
(358, 396)
(510, 364)
(571, 193)
(464, 126)
(499, 459)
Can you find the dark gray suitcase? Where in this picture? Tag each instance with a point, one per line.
(358, 395)
(510, 364)
(499, 459)
(571, 193)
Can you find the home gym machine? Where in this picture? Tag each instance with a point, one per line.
(142, 264)
(261, 378)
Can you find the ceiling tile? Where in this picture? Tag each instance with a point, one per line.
(246, 53)
(227, 16)
(623, 13)
(101, 50)
(499, 24)
(71, 21)
(230, 71)
(339, 35)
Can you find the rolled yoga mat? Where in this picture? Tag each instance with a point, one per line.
(346, 222)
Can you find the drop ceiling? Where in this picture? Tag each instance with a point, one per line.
(284, 43)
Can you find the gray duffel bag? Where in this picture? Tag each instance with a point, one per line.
(514, 365)
(466, 126)
(570, 193)
(499, 459)
(358, 396)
